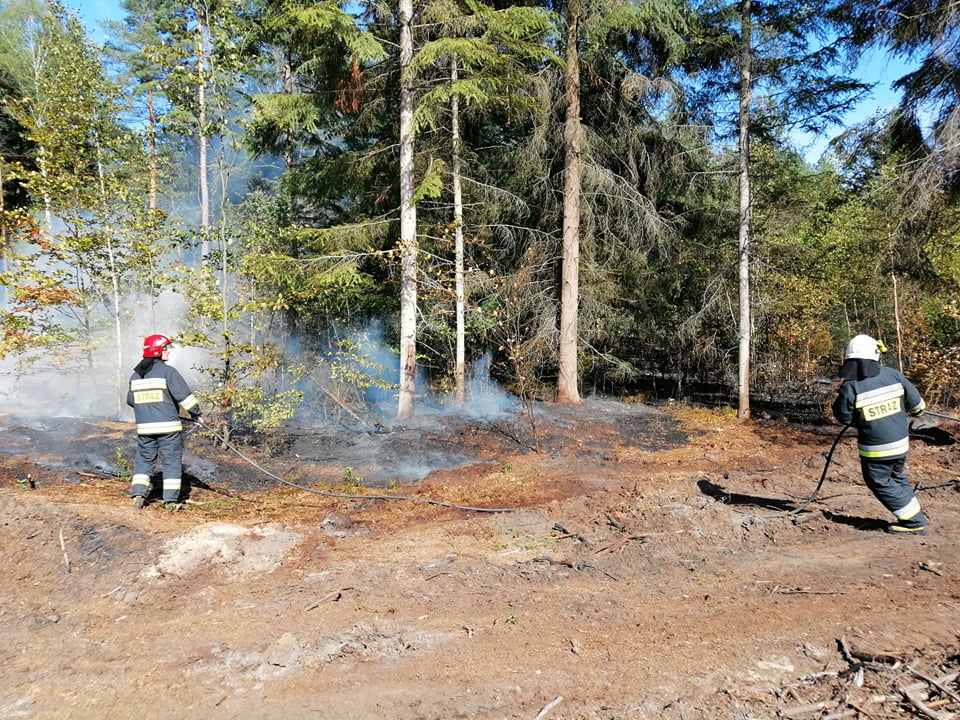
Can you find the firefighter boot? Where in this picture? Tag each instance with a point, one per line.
(916, 525)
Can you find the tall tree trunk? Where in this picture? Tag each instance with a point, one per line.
(567, 391)
(459, 372)
(287, 72)
(3, 240)
(114, 276)
(152, 119)
(42, 153)
(408, 223)
(897, 320)
(202, 139)
(743, 245)
(47, 200)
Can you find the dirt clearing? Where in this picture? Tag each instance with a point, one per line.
(643, 568)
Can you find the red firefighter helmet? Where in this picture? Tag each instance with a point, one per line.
(154, 344)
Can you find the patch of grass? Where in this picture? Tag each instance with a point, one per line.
(352, 481)
(218, 504)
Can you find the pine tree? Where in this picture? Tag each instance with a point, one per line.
(780, 61)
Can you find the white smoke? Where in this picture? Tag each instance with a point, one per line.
(91, 382)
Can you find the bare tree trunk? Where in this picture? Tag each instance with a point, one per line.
(47, 200)
(39, 121)
(202, 138)
(408, 223)
(459, 372)
(567, 391)
(152, 119)
(114, 276)
(743, 255)
(287, 72)
(896, 317)
(3, 240)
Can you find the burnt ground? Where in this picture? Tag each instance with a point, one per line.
(645, 564)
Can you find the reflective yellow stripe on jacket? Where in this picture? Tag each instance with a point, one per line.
(189, 403)
(892, 449)
(159, 428)
(148, 389)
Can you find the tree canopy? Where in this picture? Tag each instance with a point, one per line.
(314, 187)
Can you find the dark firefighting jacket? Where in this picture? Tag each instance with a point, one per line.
(157, 397)
(878, 407)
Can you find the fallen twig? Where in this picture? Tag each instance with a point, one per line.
(548, 707)
(578, 565)
(937, 684)
(906, 691)
(805, 591)
(917, 702)
(931, 567)
(63, 547)
(549, 560)
(852, 654)
(619, 544)
(618, 525)
(331, 597)
(567, 534)
(96, 475)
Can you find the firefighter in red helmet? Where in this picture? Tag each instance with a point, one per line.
(157, 393)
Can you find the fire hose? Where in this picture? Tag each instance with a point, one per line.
(823, 476)
(350, 496)
(941, 416)
(342, 496)
(813, 496)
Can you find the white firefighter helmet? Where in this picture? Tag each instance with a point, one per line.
(862, 347)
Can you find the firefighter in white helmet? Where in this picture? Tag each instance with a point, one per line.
(877, 401)
(157, 393)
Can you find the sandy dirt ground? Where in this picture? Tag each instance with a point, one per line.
(643, 562)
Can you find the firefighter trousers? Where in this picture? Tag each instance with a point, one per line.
(886, 479)
(168, 448)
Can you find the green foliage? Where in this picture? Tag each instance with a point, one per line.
(122, 466)
(324, 47)
(251, 386)
(65, 287)
(351, 481)
(493, 52)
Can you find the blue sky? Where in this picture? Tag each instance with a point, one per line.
(92, 12)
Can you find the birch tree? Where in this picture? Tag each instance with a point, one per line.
(68, 282)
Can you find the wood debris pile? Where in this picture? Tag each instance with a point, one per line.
(874, 686)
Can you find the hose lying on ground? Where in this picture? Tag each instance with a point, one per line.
(344, 496)
(826, 465)
(823, 476)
